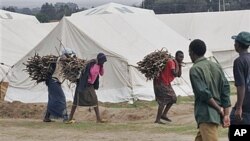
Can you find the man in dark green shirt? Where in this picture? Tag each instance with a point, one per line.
(212, 93)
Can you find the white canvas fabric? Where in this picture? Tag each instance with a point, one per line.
(124, 38)
(19, 33)
(114, 8)
(10, 16)
(215, 28)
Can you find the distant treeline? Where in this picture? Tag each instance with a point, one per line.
(49, 12)
(188, 6)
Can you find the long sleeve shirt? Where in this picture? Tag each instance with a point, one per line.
(95, 70)
(208, 81)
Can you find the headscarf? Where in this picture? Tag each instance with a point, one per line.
(68, 51)
(101, 58)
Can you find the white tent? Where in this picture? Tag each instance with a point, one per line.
(215, 28)
(19, 33)
(12, 16)
(125, 37)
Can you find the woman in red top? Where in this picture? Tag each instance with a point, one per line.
(164, 93)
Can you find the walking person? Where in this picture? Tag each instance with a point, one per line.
(211, 91)
(240, 113)
(164, 93)
(56, 106)
(85, 94)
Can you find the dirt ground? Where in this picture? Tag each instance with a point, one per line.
(23, 122)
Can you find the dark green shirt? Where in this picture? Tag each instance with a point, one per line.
(208, 81)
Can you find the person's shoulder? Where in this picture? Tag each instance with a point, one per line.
(237, 60)
(170, 61)
(193, 68)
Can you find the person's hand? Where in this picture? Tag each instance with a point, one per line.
(238, 114)
(226, 121)
(221, 111)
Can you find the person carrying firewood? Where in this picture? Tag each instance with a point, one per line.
(56, 106)
(88, 82)
(164, 93)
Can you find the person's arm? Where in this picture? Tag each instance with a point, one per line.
(240, 96)
(218, 108)
(239, 103)
(173, 65)
(180, 70)
(101, 70)
(226, 118)
(225, 101)
(240, 85)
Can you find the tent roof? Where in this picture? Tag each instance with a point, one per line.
(114, 8)
(6, 15)
(18, 35)
(215, 28)
(127, 34)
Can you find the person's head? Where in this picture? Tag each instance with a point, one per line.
(101, 58)
(197, 49)
(68, 52)
(179, 56)
(242, 41)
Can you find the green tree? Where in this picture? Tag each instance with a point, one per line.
(48, 10)
(26, 11)
(43, 18)
(10, 8)
(63, 11)
(148, 4)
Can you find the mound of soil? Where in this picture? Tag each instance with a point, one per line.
(36, 111)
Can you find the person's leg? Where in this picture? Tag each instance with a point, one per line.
(165, 112)
(65, 115)
(47, 117)
(97, 113)
(73, 109)
(209, 131)
(159, 113)
(198, 136)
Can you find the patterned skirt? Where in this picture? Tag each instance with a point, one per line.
(164, 94)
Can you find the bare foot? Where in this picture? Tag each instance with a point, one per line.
(159, 122)
(101, 121)
(166, 119)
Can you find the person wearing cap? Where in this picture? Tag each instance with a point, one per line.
(240, 113)
(211, 91)
(88, 82)
(56, 106)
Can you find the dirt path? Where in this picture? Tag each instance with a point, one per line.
(23, 122)
(124, 124)
(35, 130)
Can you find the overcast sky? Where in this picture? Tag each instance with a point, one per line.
(80, 3)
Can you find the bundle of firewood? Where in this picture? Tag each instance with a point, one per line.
(71, 68)
(153, 63)
(39, 68)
